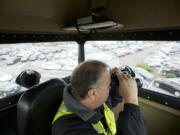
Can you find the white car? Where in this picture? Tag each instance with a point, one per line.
(24, 59)
(42, 57)
(33, 57)
(153, 62)
(5, 77)
(145, 74)
(9, 87)
(51, 66)
(68, 67)
(12, 60)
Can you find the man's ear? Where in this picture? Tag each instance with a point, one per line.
(92, 93)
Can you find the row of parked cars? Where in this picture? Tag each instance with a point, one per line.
(164, 57)
(121, 48)
(7, 85)
(13, 55)
(170, 85)
(47, 58)
(164, 60)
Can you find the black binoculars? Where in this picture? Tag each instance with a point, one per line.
(114, 91)
(126, 70)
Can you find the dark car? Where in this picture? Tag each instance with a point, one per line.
(169, 85)
(172, 71)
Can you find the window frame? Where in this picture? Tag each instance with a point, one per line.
(161, 35)
(147, 35)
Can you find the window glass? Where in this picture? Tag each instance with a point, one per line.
(155, 63)
(51, 60)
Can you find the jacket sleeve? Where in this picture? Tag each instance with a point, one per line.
(130, 121)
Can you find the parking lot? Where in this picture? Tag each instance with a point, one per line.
(57, 61)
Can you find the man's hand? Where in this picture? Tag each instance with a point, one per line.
(127, 86)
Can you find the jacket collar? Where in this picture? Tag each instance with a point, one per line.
(85, 113)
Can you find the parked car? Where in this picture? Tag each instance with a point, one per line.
(33, 57)
(24, 59)
(153, 62)
(169, 85)
(12, 60)
(42, 56)
(51, 66)
(144, 73)
(8, 88)
(5, 77)
(172, 71)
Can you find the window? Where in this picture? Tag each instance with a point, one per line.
(155, 63)
(51, 60)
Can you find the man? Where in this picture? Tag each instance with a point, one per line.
(84, 110)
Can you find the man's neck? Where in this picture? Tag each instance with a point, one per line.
(87, 104)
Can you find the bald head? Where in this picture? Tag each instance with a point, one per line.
(86, 76)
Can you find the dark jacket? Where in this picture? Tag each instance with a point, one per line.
(129, 122)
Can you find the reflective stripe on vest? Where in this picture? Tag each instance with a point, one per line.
(109, 116)
(61, 112)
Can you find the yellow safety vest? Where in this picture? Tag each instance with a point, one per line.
(109, 116)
